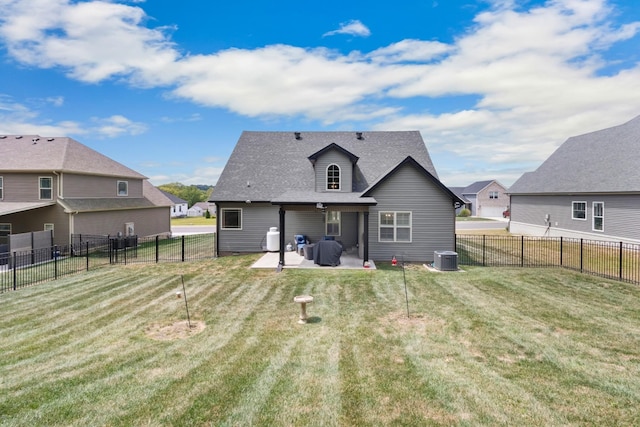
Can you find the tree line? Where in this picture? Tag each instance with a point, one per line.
(191, 193)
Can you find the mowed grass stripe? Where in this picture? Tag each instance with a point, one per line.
(485, 347)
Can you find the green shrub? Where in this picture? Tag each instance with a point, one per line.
(464, 212)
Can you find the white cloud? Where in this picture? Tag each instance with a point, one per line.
(538, 75)
(117, 125)
(18, 119)
(353, 28)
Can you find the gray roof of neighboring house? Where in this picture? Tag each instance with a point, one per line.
(476, 187)
(36, 153)
(603, 161)
(174, 199)
(458, 192)
(266, 166)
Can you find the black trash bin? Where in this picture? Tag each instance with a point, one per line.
(308, 251)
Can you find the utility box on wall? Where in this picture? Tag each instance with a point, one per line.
(445, 260)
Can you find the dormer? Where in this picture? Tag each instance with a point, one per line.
(333, 166)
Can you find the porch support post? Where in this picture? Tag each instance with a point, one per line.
(282, 212)
(366, 237)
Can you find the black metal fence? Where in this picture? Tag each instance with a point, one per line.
(613, 260)
(21, 269)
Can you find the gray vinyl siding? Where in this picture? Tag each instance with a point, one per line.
(621, 218)
(312, 225)
(25, 187)
(432, 211)
(257, 218)
(346, 171)
(147, 222)
(87, 186)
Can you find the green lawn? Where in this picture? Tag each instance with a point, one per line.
(194, 220)
(482, 347)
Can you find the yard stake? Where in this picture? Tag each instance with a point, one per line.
(404, 277)
(184, 292)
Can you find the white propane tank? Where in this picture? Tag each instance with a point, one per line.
(273, 240)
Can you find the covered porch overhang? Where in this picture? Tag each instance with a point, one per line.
(324, 202)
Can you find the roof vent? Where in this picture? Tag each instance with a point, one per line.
(3, 136)
(34, 140)
(18, 136)
(50, 139)
(359, 135)
(297, 134)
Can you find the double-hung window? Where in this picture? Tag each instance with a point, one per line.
(598, 216)
(46, 188)
(578, 210)
(394, 227)
(231, 219)
(333, 177)
(493, 194)
(333, 224)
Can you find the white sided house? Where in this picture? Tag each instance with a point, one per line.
(375, 192)
(588, 188)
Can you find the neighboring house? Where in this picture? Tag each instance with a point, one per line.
(178, 206)
(458, 192)
(374, 191)
(588, 188)
(61, 185)
(200, 209)
(485, 199)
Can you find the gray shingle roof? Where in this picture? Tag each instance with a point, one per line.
(37, 153)
(265, 165)
(476, 187)
(598, 162)
(174, 199)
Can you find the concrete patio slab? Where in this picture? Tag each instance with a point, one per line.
(293, 260)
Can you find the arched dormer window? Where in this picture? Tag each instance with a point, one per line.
(333, 177)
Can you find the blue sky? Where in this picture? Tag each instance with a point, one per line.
(167, 87)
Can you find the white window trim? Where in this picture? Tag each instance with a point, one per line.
(1, 188)
(40, 187)
(395, 226)
(573, 210)
(118, 188)
(49, 226)
(339, 222)
(593, 216)
(492, 193)
(339, 177)
(222, 214)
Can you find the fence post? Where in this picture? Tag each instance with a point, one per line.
(157, 248)
(15, 271)
(560, 251)
(87, 254)
(183, 248)
(483, 249)
(55, 262)
(581, 255)
(620, 269)
(522, 251)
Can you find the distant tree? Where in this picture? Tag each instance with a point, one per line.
(191, 193)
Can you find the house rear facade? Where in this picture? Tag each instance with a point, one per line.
(377, 193)
(61, 185)
(588, 188)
